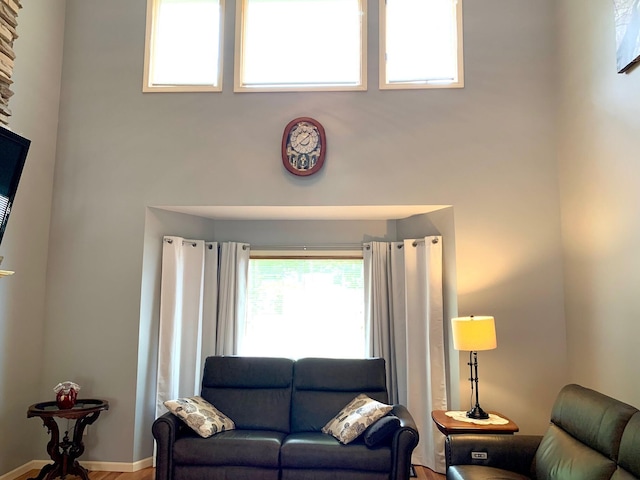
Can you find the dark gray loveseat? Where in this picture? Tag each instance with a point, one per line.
(591, 437)
(279, 407)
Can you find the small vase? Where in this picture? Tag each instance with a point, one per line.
(66, 400)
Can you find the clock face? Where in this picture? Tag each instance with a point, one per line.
(303, 146)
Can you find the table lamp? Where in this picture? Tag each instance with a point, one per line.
(474, 334)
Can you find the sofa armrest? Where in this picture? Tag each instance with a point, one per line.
(515, 453)
(406, 420)
(404, 442)
(166, 429)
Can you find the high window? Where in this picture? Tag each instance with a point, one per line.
(183, 45)
(300, 45)
(305, 307)
(420, 44)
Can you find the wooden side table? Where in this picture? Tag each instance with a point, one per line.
(64, 454)
(450, 426)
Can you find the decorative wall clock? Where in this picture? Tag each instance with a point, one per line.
(304, 145)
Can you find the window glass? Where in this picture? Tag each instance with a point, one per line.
(296, 45)
(300, 44)
(183, 45)
(305, 307)
(422, 43)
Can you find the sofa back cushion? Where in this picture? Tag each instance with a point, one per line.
(586, 428)
(629, 458)
(323, 386)
(254, 392)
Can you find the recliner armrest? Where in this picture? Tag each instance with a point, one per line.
(515, 453)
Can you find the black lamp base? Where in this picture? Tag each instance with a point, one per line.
(477, 413)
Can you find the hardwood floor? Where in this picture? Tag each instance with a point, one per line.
(424, 473)
(149, 474)
(145, 474)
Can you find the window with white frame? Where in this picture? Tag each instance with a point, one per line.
(183, 50)
(304, 307)
(420, 44)
(300, 45)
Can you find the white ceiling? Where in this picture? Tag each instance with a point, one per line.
(315, 212)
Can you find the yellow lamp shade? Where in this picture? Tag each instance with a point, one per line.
(474, 333)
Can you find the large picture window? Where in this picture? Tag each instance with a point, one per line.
(304, 307)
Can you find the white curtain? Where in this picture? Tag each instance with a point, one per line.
(201, 308)
(232, 294)
(405, 326)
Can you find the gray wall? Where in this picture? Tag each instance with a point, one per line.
(599, 171)
(489, 150)
(25, 244)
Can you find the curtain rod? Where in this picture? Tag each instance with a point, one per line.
(335, 247)
(344, 246)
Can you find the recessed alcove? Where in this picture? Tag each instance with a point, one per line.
(281, 225)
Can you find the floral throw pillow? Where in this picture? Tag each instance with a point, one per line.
(355, 417)
(200, 415)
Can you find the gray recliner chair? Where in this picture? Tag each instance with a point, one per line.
(591, 437)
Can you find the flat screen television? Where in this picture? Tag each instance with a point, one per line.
(13, 153)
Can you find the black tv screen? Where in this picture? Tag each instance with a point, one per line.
(13, 153)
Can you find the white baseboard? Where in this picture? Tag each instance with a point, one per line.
(89, 465)
(20, 471)
(118, 466)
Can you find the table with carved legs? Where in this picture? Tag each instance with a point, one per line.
(66, 452)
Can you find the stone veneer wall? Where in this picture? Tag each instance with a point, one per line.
(8, 23)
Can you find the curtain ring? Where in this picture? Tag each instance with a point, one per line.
(434, 240)
(168, 240)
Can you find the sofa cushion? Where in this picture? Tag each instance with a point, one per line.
(315, 450)
(224, 472)
(622, 474)
(355, 417)
(480, 472)
(629, 458)
(255, 392)
(321, 474)
(381, 432)
(251, 448)
(200, 415)
(323, 386)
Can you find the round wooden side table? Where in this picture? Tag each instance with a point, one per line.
(65, 454)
